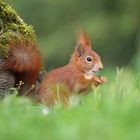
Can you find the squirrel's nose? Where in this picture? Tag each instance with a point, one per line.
(101, 66)
(98, 67)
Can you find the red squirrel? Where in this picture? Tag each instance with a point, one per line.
(75, 77)
(24, 60)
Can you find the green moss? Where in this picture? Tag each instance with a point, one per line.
(11, 25)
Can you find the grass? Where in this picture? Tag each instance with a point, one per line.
(110, 112)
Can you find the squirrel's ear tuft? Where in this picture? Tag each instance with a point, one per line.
(80, 38)
(80, 50)
(87, 40)
(83, 39)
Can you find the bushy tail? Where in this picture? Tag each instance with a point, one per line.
(24, 60)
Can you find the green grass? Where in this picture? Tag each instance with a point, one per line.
(110, 112)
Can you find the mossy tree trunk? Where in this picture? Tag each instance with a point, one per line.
(10, 26)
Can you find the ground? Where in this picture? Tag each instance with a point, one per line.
(110, 112)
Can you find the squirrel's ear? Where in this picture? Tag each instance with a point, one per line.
(84, 39)
(80, 50)
(80, 38)
(87, 40)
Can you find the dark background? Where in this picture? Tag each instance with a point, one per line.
(113, 26)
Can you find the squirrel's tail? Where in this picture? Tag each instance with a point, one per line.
(24, 60)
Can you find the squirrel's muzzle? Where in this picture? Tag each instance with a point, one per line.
(97, 67)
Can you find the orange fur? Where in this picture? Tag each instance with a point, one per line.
(72, 77)
(24, 60)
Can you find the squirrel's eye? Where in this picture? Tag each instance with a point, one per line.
(89, 59)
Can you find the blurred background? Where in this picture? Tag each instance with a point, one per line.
(113, 26)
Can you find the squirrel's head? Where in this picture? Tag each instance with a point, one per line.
(86, 60)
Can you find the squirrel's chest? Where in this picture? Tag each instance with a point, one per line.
(81, 86)
(76, 83)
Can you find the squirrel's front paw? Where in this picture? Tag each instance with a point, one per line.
(103, 79)
(99, 80)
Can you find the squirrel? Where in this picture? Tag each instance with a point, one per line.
(24, 61)
(75, 77)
